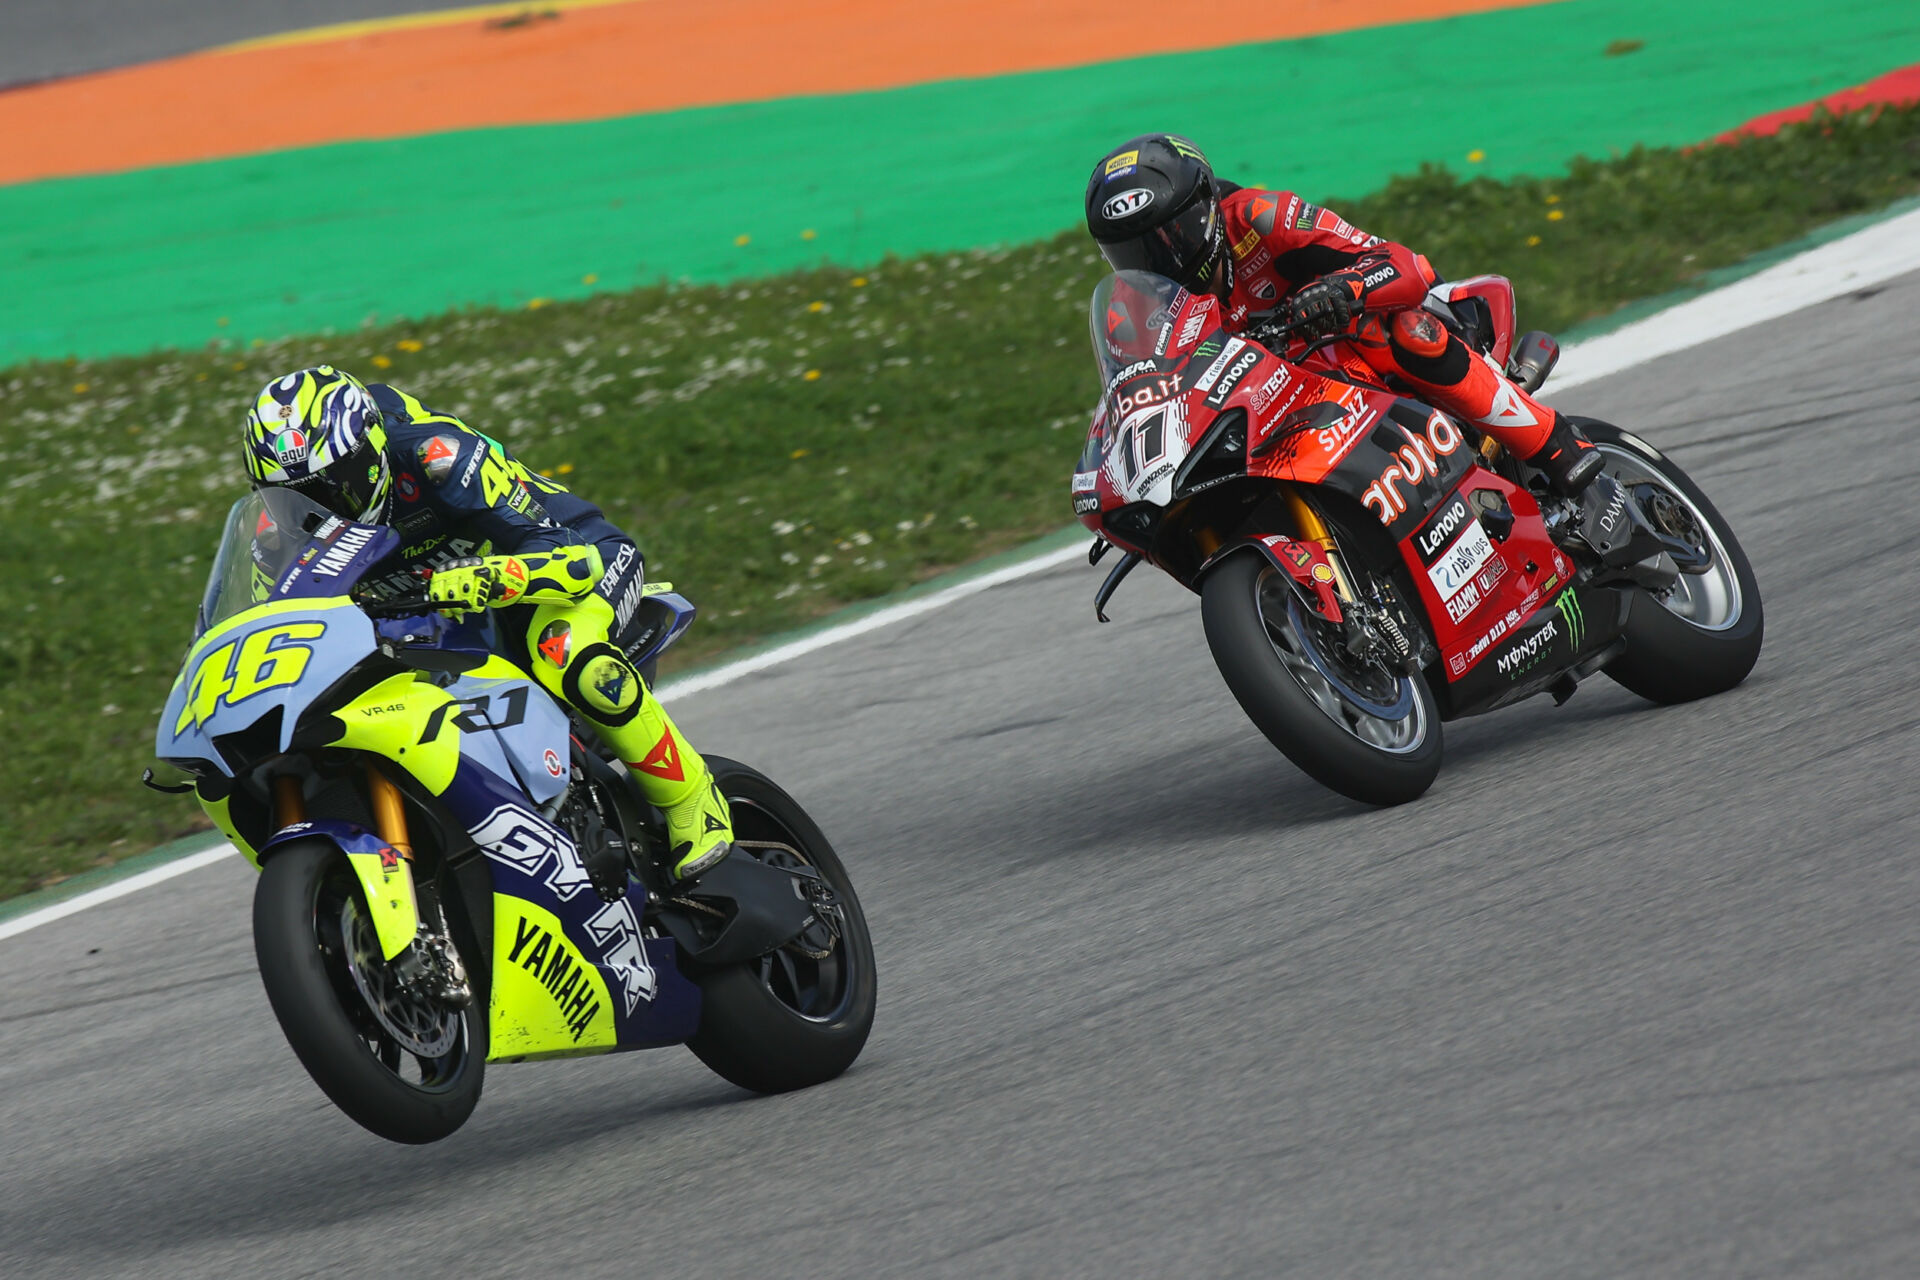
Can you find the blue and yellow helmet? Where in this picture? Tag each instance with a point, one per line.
(317, 431)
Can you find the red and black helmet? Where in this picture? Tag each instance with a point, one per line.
(1152, 205)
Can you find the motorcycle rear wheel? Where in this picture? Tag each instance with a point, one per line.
(1703, 635)
(1378, 747)
(792, 1018)
(398, 1063)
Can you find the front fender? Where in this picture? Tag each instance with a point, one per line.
(386, 879)
(1305, 563)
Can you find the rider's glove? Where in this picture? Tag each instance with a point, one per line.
(1328, 305)
(538, 577)
(464, 585)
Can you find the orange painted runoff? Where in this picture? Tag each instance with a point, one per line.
(600, 61)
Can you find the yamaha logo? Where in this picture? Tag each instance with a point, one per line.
(1127, 202)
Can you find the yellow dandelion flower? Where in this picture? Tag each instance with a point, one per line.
(547, 474)
(382, 362)
(80, 388)
(798, 453)
(813, 375)
(816, 306)
(1554, 215)
(534, 304)
(1553, 199)
(566, 468)
(859, 282)
(1532, 241)
(743, 240)
(1475, 156)
(592, 277)
(409, 344)
(807, 234)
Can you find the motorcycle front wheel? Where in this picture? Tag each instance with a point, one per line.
(1368, 732)
(400, 1063)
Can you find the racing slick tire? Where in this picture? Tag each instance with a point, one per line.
(794, 1017)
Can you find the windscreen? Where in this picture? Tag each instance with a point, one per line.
(1131, 319)
(280, 545)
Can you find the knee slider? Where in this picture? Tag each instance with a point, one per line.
(603, 685)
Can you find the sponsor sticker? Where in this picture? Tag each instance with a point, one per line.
(1212, 374)
(1122, 163)
(1128, 202)
(1463, 603)
(1230, 378)
(1527, 653)
(1455, 567)
(1245, 244)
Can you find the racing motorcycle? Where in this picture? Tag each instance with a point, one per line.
(453, 871)
(1367, 565)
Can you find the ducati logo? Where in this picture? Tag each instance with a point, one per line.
(1127, 202)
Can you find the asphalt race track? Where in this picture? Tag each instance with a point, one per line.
(41, 39)
(1630, 992)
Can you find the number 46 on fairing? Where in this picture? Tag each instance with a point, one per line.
(265, 659)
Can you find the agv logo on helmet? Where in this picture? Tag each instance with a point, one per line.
(1127, 202)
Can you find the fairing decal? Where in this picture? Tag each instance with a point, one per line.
(274, 656)
(386, 879)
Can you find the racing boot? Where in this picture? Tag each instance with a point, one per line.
(677, 781)
(1568, 461)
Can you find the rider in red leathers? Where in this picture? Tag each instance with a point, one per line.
(1155, 204)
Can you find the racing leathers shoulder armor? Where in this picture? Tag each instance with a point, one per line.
(459, 494)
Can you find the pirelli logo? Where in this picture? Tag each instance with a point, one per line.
(1247, 243)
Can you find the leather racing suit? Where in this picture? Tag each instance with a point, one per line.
(458, 494)
(1279, 244)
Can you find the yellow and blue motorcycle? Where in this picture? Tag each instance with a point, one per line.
(453, 871)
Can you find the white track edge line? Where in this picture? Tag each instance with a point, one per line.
(1858, 261)
(118, 889)
(884, 617)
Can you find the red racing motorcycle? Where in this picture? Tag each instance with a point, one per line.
(1367, 565)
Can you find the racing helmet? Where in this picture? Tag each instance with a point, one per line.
(1152, 205)
(318, 432)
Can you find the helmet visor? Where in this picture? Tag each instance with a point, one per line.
(352, 486)
(1176, 248)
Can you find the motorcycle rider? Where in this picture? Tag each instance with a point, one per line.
(486, 532)
(1155, 204)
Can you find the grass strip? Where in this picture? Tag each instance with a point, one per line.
(779, 448)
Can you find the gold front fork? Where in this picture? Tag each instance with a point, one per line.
(1314, 529)
(389, 813)
(289, 806)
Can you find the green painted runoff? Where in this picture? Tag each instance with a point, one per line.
(325, 238)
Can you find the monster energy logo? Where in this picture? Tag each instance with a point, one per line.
(1569, 606)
